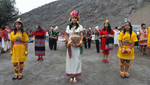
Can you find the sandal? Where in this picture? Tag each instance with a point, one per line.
(20, 76)
(74, 80)
(38, 59)
(42, 58)
(15, 77)
(71, 80)
(103, 60)
(106, 61)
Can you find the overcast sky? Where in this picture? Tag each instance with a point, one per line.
(28, 5)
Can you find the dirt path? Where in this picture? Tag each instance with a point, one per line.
(52, 70)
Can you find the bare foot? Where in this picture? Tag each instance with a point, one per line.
(142, 54)
(74, 81)
(71, 80)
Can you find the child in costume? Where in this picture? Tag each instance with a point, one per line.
(50, 32)
(117, 32)
(84, 38)
(55, 33)
(143, 38)
(148, 41)
(97, 39)
(74, 37)
(127, 39)
(40, 36)
(8, 41)
(0, 40)
(19, 49)
(89, 37)
(4, 36)
(106, 35)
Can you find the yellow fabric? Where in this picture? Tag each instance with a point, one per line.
(126, 38)
(148, 40)
(69, 42)
(122, 73)
(18, 51)
(21, 66)
(16, 74)
(128, 64)
(121, 64)
(81, 42)
(15, 68)
(126, 74)
(20, 74)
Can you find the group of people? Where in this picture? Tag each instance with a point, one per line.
(52, 34)
(76, 37)
(4, 39)
(89, 36)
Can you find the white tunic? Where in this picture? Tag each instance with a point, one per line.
(73, 65)
(116, 36)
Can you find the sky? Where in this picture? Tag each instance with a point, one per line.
(28, 5)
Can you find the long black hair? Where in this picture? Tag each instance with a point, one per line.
(15, 29)
(108, 29)
(3, 28)
(124, 31)
(71, 24)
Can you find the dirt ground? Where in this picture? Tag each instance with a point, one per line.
(52, 70)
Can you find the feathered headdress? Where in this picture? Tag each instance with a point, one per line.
(37, 27)
(127, 20)
(74, 13)
(18, 20)
(107, 21)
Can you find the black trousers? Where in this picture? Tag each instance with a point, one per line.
(54, 44)
(50, 43)
(89, 43)
(97, 46)
(85, 43)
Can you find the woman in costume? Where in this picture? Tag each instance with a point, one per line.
(4, 36)
(74, 37)
(89, 37)
(127, 39)
(148, 41)
(19, 49)
(117, 32)
(40, 36)
(143, 38)
(97, 43)
(106, 35)
(84, 38)
(50, 32)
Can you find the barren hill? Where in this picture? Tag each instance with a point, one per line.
(93, 12)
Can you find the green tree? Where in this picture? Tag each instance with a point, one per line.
(8, 11)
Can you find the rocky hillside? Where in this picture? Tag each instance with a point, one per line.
(141, 16)
(93, 12)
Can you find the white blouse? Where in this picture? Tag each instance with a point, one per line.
(71, 32)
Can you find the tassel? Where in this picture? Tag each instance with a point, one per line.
(69, 51)
(81, 49)
(70, 21)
